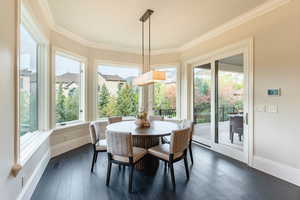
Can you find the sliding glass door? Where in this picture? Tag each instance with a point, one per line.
(220, 105)
(202, 103)
(229, 98)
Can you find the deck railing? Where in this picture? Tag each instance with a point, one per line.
(167, 113)
(204, 117)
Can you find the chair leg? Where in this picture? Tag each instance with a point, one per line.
(186, 168)
(96, 156)
(172, 176)
(108, 172)
(130, 178)
(93, 162)
(231, 137)
(191, 153)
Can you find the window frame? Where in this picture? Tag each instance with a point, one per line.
(26, 146)
(95, 84)
(177, 66)
(38, 81)
(83, 86)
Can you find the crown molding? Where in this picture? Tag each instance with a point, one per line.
(47, 13)
(246, 17)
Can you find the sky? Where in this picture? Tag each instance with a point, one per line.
(65, 65)
(28, 49)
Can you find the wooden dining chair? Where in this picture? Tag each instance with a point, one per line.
(189, 124)
(157, 118)
(184, 124)
(98, 141)
(173, 152)
(112, 120)
(121, 151)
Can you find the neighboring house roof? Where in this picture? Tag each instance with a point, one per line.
(25, 72)
(68, 78)
(28, 73)
(112, 77)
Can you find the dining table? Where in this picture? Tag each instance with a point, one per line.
(146, 137)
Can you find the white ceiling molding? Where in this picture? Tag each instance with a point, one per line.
(47, 13)
(252, 14)
(32, 26)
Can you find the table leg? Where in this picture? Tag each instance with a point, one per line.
(148, 164)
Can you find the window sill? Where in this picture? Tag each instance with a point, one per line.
(70, 125)
(31, 143)
(105, 119)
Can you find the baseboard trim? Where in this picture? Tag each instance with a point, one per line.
(69, 145)
(282, 171)
(34, 179)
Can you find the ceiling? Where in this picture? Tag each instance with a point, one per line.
(174, 22)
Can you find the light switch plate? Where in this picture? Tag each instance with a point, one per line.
(272, 108)
(261, 108)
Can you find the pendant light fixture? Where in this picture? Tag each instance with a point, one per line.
(149, 76)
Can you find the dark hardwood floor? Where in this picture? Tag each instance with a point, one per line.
(212, 177)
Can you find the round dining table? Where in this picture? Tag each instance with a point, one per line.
(146, 137)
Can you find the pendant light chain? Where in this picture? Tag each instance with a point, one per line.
(149, 66)
(148, 76)
(143, 50)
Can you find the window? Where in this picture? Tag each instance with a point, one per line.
(165, 94)
(28, 79)
(116, 96)
(69, 89)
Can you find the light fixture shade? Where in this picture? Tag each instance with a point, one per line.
(149, 78)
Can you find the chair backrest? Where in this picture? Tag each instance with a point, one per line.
(96, 132)
(94, 136)
(156, 118)
(188, 124)
(119, 143)
(179, 140)
(112, 120)
(237, 124)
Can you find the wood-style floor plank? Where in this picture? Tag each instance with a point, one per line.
(212, 177)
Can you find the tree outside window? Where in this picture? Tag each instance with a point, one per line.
(116, 95)
(68, 89)
(165, 94)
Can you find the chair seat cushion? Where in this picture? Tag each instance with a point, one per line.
(163, 151)
(137, 152)
(101, 145)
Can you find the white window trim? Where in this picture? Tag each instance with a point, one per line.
(245, 47)
(111, 63)
(36, 138)
(177, 66)
(83, 105)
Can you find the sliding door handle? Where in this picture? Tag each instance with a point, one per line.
(246, 119)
